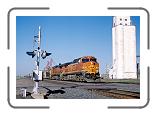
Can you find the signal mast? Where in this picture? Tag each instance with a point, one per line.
(37, 73)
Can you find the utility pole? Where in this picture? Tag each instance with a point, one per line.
(37, 74)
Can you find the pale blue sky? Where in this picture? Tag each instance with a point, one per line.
(67, 38)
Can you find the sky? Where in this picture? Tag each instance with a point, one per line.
(67, 38)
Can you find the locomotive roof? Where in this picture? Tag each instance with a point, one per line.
(88, 57)
(74, 61)
(65, 64)
(84, 57)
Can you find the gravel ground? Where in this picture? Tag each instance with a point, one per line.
(70, 90)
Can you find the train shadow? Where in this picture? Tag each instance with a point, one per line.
(49, 92)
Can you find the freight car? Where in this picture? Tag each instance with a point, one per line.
(81, 69)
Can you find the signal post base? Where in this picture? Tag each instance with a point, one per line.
(37, 96)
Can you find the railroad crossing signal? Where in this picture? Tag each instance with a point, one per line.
(37, 74)
(44, 54)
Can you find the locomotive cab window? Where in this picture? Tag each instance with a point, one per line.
(85, 60)
(93, 59)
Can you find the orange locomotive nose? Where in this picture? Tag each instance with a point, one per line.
(91, 68)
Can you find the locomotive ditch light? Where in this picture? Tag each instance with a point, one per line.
(44, 54)
(33, 53)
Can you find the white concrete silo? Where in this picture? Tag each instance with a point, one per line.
(124, 48)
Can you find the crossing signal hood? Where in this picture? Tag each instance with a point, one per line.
(33, 53)
(44, 54)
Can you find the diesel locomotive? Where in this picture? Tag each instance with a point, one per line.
(81, 69)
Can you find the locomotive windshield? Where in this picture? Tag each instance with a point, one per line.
(85, 60)
(93, 59)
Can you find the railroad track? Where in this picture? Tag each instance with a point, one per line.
(113, 90)
(118, 94)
